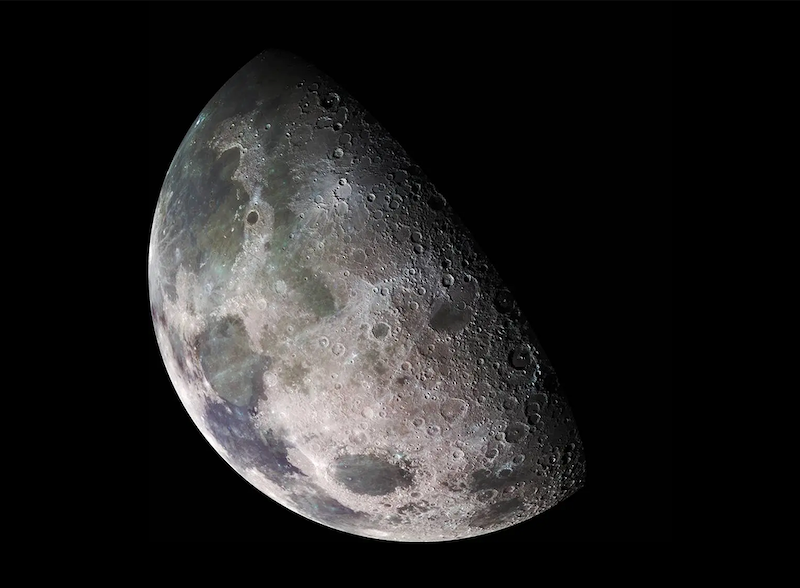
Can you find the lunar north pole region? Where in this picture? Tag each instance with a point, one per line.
(334, 331)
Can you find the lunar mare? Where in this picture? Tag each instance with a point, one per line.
(334, 331)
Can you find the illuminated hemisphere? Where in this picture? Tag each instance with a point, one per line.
(335, 332)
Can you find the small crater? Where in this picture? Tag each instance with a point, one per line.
(380, 330)
(252, 218)
(534, 407)
(549, 382)
(516, 431)
(436, 202)
(414, 508)
(503, 301)
(453, 408)
(400, 176)
(330, 101)
(521, 357)
(487, 495)
(510, 403)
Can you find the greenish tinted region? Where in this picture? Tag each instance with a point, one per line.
(314, 291)
(233, 370)
(313, 288)
(220, 239)
(278, 194)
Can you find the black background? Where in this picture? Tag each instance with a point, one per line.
(549, 130)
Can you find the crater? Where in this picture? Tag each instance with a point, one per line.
(516, 431)
(380, 330)
(369, 474)
(521, 357)
(453, 408)
(414, 508)
(496, 513)
(447, 318)
(483, 479)
(504, 301)
(534, 406)
(549, 381)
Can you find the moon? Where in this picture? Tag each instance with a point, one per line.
(335, 332)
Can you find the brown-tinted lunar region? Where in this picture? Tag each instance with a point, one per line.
(334, 331)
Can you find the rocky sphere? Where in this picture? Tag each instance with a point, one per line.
(335, 332)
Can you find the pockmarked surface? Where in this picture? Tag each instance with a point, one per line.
(335, 332)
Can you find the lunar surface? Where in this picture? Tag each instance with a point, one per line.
(335, 332)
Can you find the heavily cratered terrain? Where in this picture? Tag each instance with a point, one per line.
(335, 332)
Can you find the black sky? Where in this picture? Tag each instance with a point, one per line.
(549, 129)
